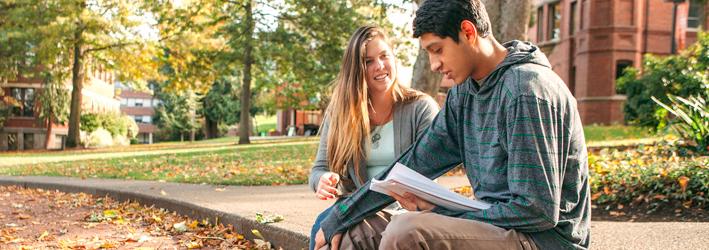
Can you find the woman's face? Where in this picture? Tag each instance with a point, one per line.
(380, 65)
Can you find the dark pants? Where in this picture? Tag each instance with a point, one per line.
(316, 226)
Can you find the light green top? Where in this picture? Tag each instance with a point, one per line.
(381, 154)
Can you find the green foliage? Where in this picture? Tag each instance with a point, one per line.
(221, 104)
(7, 103)
(176, 115)
(116, 125)
(652, 175)
(691, 119)
(130, 125)
(90, 122)
(680, 75)
(53, 102)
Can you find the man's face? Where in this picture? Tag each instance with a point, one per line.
(454, 60)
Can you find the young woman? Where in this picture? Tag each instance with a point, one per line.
(370, 121)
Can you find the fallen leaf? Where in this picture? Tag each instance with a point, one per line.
(257, 233)
(180, 227)
(683, 181)
(193, 244)
(42, 236)
(163, 192)
(110, 213)
(107, 245)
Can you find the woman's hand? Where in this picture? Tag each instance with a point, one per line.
(327, 186)
(320, 240)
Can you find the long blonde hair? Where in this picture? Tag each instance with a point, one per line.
(349, 130)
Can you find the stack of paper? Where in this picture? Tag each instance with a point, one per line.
(402, 179)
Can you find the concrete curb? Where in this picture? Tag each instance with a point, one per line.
(277, 236)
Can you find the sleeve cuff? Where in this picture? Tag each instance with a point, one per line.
(331, 225)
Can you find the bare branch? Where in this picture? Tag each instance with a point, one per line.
(115, 45)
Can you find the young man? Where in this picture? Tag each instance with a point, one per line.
(513, 124)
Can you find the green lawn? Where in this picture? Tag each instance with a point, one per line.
(267, 164)
(595, 133)
(221, 161)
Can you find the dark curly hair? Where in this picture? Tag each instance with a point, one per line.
(443, 18)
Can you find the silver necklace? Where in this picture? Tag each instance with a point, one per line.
(376, 136)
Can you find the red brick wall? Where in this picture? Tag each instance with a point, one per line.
(610, 30)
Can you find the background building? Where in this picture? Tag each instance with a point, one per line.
(23, 130)
(140, 106)
(590, 42)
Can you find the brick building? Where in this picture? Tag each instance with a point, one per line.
(590, 42)
(140, 106)
(23, 131)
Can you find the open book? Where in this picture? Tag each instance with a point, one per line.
(402, 179)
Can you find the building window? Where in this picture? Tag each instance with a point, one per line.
(25, 99)
(620, 66)
(28, 141)
(580, 14)
(12, 141)
(540, 24)
(573, 18)
(572, 80)
(554, 21)
(695, 12)
(138, 103)
(138, 119)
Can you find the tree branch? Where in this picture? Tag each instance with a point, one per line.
(115, 45)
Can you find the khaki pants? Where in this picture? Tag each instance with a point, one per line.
(426, 230)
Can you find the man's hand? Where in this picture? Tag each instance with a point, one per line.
(412, 202)
(320, 240)
(327, 186)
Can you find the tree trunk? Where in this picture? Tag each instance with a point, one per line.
(192, 123)
(244, 121)
(49, 131)
(77, 80)
(509, 18)
(423, 78)
(212, 128)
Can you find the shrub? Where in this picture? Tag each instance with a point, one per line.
(691, 119)
(90, 122)
(130, 126)
(653, 175)
(681, 75)
(99, 138)
(112, 123)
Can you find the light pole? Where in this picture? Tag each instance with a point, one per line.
(673, 46)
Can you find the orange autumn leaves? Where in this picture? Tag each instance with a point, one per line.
(53, 219)
(651, 174)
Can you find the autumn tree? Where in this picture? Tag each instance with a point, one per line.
(75, 33)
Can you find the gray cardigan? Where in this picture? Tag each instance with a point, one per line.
(411, 119)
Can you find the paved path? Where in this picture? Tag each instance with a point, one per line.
(238, 205)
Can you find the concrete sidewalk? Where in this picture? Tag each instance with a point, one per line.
(238, 205)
